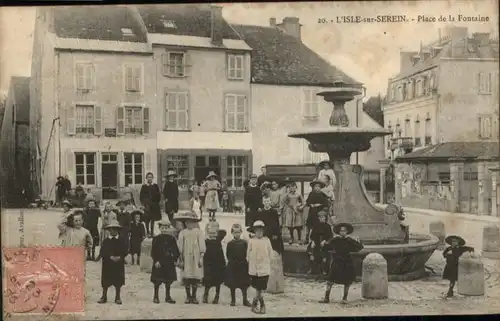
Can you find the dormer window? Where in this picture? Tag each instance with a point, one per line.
(169, 24)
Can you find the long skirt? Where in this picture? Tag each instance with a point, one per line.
(293, 217)
(276, 282)
(212, 201)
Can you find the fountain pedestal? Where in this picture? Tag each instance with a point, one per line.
(381, 231)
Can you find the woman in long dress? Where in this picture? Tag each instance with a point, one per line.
(293, 206)
(212, 187)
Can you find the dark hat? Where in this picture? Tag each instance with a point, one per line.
(256, 224)
(337, 227)
(171, 173)
(450, 238)
(323, 162)
(113, 224)
(317, 182)
(253, 176)
(135, 212)
(59, 177)
(186, 216)
(67, 203)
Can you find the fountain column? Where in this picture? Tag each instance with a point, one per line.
(384, 165)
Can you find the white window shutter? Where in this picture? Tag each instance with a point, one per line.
(187, 64)
(147, 121)
(98, 120)
(120, 121)
(138, 78)
(129, 78)
(80, 76)
(186, 122)
(70, 120)
(165, 62)
(70, 166)
(98, 169)
(92, 77)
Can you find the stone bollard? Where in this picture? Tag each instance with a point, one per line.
(437, 229)
(470, 275)
(276, 283)
(375, 281)
(146, 260)
(491, 242)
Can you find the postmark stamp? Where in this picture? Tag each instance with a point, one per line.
(43, 280)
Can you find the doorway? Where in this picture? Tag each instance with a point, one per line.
(109, 172)
(205, 164)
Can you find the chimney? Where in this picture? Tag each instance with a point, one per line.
(291, 26)
(272, 22)
(481, 38)
(217, 22)
(406, 59)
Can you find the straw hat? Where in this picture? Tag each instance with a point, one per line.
(211, 174)
(136, 211)
(259, 223)
(450, 239)
(171, 173)
(338, 227)
(113, 224)
(186, 216)
(317, 182)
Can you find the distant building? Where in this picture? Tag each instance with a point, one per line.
(15, 154)
(443, 110)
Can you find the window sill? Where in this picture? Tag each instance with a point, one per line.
(236, 79)
(311, 118)
(485, 93)
(485, 138)
(175, 76)
(236, 131)
(176, 129)
(84, 91)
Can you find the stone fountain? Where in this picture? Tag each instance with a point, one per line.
(381, 231)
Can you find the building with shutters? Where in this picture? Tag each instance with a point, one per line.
(129, 90)
(443, 110)
(91, 97)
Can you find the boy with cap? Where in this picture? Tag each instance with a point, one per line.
(320, 234)
(164, 252)
(259, 255)
(113, 253)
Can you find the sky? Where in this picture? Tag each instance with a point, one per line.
(368, 52)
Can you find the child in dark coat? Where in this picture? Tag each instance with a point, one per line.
(137, 236)
(320, 235)
(237, 266)
(452, 254)
(123, 217)
(91, 220)
(113, 253)
(341, 266)
(164, 252)
(214, 263)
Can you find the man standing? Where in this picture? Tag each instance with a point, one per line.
(171, 195)
(150, 197)
(253, 200)
(263, 176)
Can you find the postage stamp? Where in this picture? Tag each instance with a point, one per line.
(43, 280)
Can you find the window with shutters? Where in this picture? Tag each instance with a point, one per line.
(311, 104)
(418, 139)
(485, 127)
(236, 171)
(236, 113)
(235, 67)
(427, 132)
(177, 111)
(484, 86)
(133, 78)
(84, 119)
(85, 168)
(85, 77)
(174, 64)
(134, 167)
(133, 120)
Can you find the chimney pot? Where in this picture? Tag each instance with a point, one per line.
(217, 22)
(291, 26)
(272, 22)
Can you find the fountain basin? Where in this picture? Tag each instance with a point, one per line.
(405, 262)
